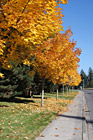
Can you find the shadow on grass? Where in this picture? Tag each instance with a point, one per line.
(16, 100)
(4, 106)
(36, 97)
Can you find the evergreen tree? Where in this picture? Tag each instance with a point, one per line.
(7, 84)
(49, 86)
(90, 77)
(16, 81)
(84, 82)
(37, 85)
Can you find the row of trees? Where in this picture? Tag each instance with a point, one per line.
(87, 79)
(31, 45)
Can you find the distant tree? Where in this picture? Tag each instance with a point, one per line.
(90, 77)
(84, 78)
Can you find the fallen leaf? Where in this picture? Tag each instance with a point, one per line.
(76, 128)
(11, 126)
(62, 127)
(1, 130)
(13, 136)
(26, 138)
(56, 135)
(22, 130)
(16, 121)
(42, 136)
(23, 127)
(17, 127)
(56, 128)
(74, 134)
(7, 136)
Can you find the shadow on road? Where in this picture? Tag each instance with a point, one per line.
(90, 121)
(77, 117)
(73, 117)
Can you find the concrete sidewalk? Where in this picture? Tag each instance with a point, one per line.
(70, 125)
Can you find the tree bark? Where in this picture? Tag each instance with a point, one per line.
(57, 95)
(42, 99)
(67, 90)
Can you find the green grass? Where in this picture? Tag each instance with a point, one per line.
(67, 96)
(88, 88)
(23, 118)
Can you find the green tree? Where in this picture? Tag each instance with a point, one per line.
(90, 77)
(84, 78)
(16, 81)
(7, 84)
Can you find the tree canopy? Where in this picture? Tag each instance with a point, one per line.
(30, 35)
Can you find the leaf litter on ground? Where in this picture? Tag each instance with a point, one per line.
(26, 121)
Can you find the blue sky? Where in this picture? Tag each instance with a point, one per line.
(79, 15)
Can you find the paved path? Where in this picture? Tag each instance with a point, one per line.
(68, 126)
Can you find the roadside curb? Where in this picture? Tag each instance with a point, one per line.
(84, 122)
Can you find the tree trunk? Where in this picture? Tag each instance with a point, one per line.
(42, 99)
(30, 93)
(57, 95)
(67, 90)
(72, 89)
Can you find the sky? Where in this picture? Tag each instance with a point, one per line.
(79, 15)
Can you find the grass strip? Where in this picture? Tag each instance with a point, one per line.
(24, 118)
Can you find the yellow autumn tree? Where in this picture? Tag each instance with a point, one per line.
(26, 23)
(56, 58)
(25, 30)
(74, 79)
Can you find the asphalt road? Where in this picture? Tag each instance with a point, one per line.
(89, 102)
